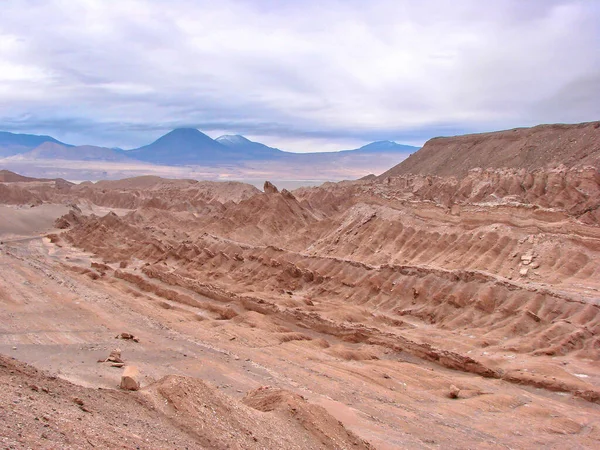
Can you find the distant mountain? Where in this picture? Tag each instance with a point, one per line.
(52, 150)
(258, 149)
(184, 146)
(249, 149)
(389, 149)
(385, 147)
(191, 147)
(14, 143)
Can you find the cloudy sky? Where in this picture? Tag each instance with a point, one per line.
(308, 75)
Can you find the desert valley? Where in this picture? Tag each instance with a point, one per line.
(450, 302)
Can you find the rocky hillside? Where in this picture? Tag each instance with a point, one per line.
(543, 146)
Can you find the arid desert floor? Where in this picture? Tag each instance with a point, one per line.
(351, 315)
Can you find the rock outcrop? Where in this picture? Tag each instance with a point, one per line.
(270, 188)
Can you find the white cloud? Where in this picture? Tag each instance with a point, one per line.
(311, 73)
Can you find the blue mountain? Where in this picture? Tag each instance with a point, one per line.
(16, 143)
(250, 149)
(384, 147)
(183, 146)
(189, 146)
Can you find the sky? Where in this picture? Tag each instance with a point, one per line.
(310, 75)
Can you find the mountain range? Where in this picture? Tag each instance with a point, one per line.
(182, 146)
(14, 144)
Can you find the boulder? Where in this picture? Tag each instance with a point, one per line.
(130, 378)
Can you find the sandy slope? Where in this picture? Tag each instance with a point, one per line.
(24, 221)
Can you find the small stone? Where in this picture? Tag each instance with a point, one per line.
(526, 258)
(454, 392)
(130, 379)
(533, 315)
(115, 357)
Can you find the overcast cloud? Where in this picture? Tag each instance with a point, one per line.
(299, 75)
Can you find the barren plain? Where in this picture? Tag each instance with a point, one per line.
(412, 310)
